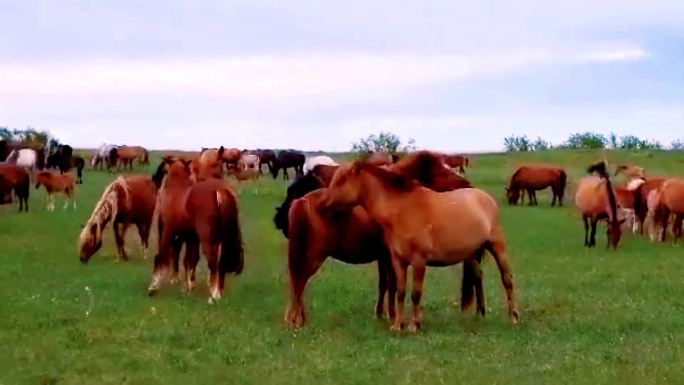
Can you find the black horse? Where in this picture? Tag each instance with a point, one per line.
(301, 186)
(64, 160)
(288, 159)
(266, 157)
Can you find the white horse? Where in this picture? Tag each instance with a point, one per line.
(314, 161)
(248, 162)
(24, 157)
(101, 155)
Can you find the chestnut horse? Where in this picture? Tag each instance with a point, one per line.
(641, 193)
(534, 178)
(126, 201)
(349, 236)
(670, 201)
(202, 214)
(423, 228)
(56, 183)
(128, 154)
(230, 156)
(595, 200)
(457, 162)
(13, 177)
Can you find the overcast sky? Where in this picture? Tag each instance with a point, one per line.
(456, 76)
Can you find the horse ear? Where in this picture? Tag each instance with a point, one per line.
(186, 162)
(168, 159)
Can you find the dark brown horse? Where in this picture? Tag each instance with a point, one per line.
(17, 179)
(350, 236)
(288, 159)
(200, 215)
(457, 162)
(531, 179)
(126, 201)
(422, 227)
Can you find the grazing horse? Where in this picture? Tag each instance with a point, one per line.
(128, 154)
(314, 161)
(266, 157)
(423, 228)
(536, 178)
(288, 159)
(457, 162)
(230, 156)
(126, 201)
(670, 201)
(350, 236)
(107, 155)
(595, 199)
(202, 214)
(13, 177)
(242, 175)
(57, 184)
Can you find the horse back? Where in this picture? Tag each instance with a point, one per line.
(672, 195)
(536, 177)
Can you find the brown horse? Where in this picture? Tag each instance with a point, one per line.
(13, 177)
(128, 154)
(595, 200)
(670, 201)
(56, 183)
(457, 162)
(352, 237)
(423, 228)
(641, 193)
(242, 175)
(230, 156)
(630, 172)
(378, 158)
(127, 201)
(531, 179)
(202, 214)
(430, 170)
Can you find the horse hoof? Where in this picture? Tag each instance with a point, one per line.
(396, 327)
(151, 291)
(515, 317)
(414, 327)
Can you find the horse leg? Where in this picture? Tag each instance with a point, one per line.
(665, 218)
(144, 233)
(161, 262)
(592, 240)
(416, 295)
(585, 219)
(119, 237)
(300, 271)
(190, 263)
(382, 289)
(210, 252)
(400, 273)
(472, 288)
(498, 250)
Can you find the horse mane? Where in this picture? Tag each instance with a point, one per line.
(422, 166)
(393, 180)
(601, 169)
(105, 209)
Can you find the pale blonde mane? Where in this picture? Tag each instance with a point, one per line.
(105, 209)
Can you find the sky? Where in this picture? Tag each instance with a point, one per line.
(318, 75)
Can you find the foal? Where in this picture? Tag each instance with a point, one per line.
(423, 228)
(57, 184)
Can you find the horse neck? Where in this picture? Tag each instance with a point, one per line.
(612, 201)
(375, 197)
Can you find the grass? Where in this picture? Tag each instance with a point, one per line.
(588, 316)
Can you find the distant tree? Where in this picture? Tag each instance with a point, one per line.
(518, 143)
(541, 145)
(585, 140)
(613, 141)
(29, 136)
(677, 144)
(631, 142)
(383, 142)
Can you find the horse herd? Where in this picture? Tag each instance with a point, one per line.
(415, 210)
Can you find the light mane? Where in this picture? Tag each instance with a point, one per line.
(105, 209)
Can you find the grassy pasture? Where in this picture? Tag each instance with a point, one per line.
(587, 316)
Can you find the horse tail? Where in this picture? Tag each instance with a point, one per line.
(298, 240)
(562, 184)
(468, 287)
(146, 156)
(640, 209)
(228, 227)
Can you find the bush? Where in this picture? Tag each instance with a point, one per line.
(518, 143)
(541, 145)
(585, 140)
(383, 142)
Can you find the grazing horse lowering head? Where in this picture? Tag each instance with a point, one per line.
(614, 228)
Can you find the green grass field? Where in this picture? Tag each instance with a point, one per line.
(587, 316)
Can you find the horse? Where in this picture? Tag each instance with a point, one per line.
(4, 149)
(534, 178)
(266, 157)
(630, 172)
(79, 163)
(249, 162)
(423, 227)
(430, 170)
(314, 161)
(376, 158)
(13, 177)
(202, 214)
(57, 184)
(457, 162)
(107, 154)
(242, 175)
(288, 159)
(27, 157)
(61, 158)
(230, 156)
(349, 236)
(128, 154)
(670, 201)
(595, 199)
(641, 195)
(128, 200)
